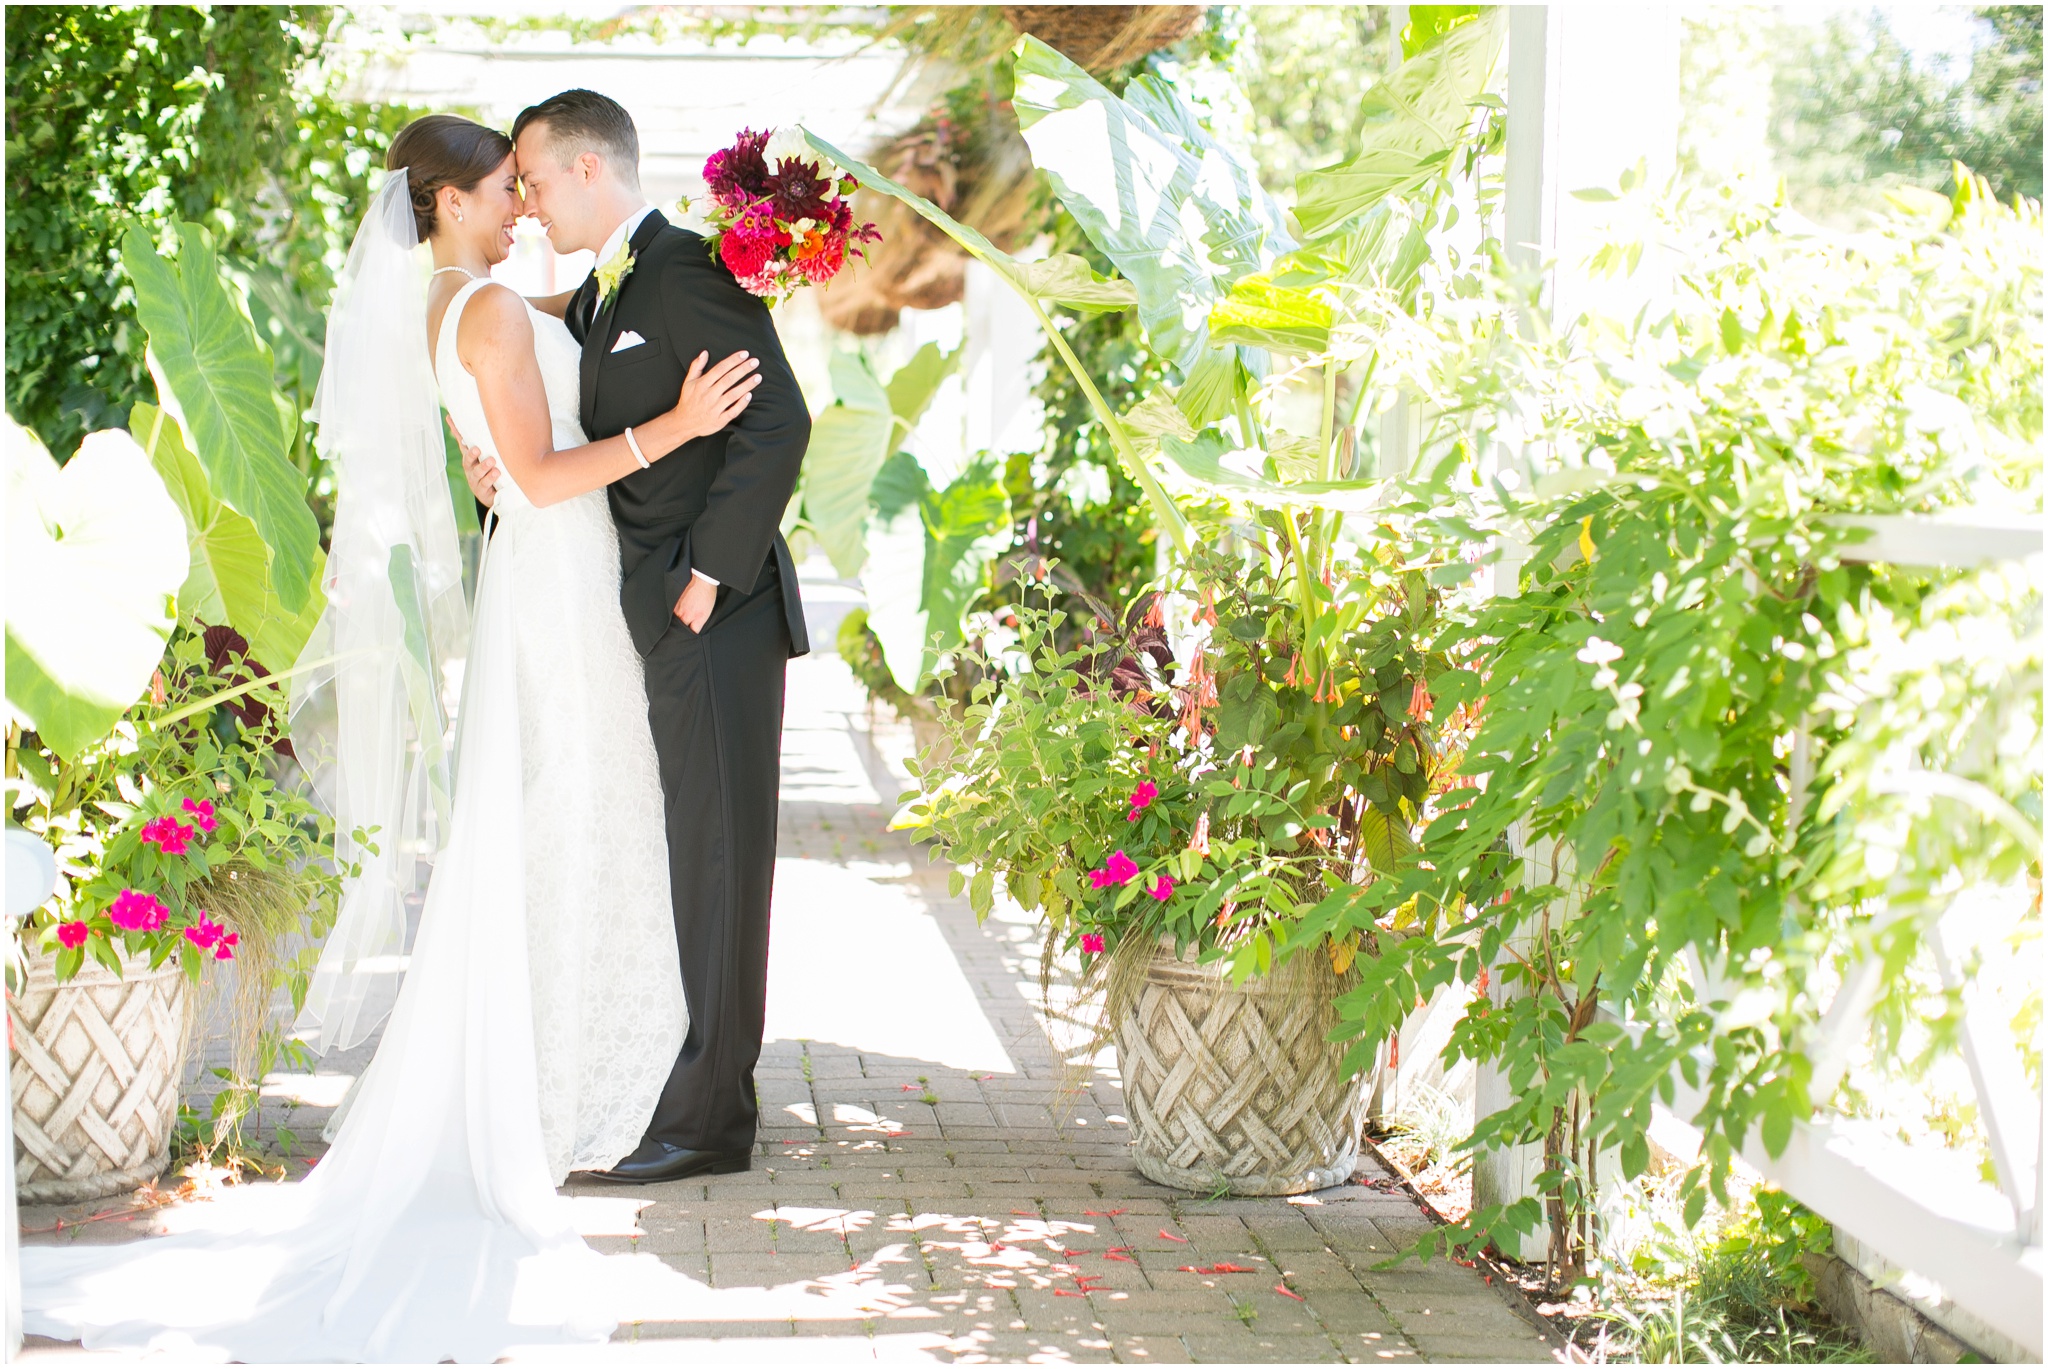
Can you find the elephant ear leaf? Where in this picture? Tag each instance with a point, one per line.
(230, 578)
(1278, 318)
(1411, 121)
(96, 552)
(849, 441)
(1178, 213)
(917, 381)
(215, 377)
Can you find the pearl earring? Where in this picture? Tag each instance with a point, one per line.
(458, 216)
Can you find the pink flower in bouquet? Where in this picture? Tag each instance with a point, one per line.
(1163, 890)
(1092, 943)
(73, 934)
(225, 948)
(136, 912)
(202, 811)
(169, 835)
(204, 933)
(1141, 798)
(752, 241)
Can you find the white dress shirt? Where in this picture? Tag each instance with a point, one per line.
(612, 244)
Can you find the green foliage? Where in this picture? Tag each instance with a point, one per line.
(159, 113)
(229, 582)
(1077, 509)
(850, 440)
(1155, 192)
(96, 552)
(1840, 107)
(1664, 894)
(1272, 788)
(1745, 1297)
(1303, 68)
(1411, 122)
(218, 374)
(933, 548)
(180, 742)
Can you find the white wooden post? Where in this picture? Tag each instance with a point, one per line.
(1592, 92)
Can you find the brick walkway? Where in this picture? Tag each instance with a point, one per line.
(919, 1196)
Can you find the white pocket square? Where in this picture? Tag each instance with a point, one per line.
(629, 338)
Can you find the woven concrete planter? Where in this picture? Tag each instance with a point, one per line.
(1235, 1088)
(96, 1068)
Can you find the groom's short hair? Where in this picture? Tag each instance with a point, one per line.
(579, 121)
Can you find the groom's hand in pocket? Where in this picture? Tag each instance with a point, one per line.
(694, 608)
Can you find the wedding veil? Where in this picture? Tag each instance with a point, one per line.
(372, 729)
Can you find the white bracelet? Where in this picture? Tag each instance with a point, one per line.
(638, 455)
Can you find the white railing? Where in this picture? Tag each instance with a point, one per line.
(1978, 1243)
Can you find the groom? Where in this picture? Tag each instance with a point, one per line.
(709, 591)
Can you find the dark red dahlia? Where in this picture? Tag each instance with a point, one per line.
(798, 191)
(738, 173)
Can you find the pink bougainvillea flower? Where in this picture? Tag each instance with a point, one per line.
(205, 933)
(73, 934)
(202, 811)
(1120, 868)
(1092, 943)
(136, 912)
(1163, 890)
(1141, 798)
(225, 948)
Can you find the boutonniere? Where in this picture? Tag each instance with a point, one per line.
(614, 270)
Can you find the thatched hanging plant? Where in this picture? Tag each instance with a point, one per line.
(968, 156)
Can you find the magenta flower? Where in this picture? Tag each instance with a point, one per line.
(1163, 890)
(1118, 869)
(1141, 798)
(205, 933)
(1092, 943)
(136, 912)
(225, 948)
(73, 934)
(169, 835)
(202, 810)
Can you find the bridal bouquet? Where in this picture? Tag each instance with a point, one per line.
(780, 216)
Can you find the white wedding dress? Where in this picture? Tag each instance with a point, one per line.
(537, 1022)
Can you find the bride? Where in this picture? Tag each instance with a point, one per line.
(535, 1023)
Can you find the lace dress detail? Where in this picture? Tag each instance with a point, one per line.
(608, 1008)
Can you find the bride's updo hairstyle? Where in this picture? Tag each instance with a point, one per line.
(440, 150)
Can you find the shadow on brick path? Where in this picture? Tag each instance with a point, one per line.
(922, 1194)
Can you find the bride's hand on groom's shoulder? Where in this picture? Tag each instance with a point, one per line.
(715, 395)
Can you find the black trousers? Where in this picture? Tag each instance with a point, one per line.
(715, 702)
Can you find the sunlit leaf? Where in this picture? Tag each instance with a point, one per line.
(96, 552)
(219, 382)
(1412, 121)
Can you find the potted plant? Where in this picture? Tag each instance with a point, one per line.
(179, 853)
(1175, 796)
(146, 746)
(1288, 746)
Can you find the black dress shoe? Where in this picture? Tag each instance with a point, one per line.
(658, 1162)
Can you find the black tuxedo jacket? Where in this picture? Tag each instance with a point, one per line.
(715, 503)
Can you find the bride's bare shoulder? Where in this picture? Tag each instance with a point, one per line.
(495, 318)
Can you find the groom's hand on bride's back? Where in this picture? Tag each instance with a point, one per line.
(479, 470)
